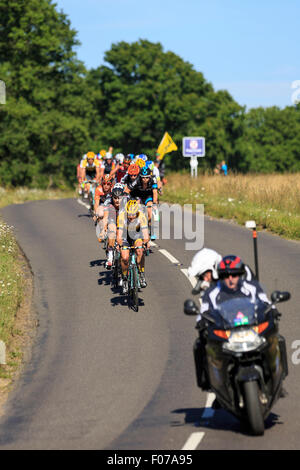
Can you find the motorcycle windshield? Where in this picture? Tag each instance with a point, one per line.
(239, 312)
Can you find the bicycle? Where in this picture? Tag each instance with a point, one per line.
(133, 280)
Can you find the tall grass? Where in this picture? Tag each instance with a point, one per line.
(273, 200)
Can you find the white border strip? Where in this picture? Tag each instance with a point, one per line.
(169, 256)
(193, 441)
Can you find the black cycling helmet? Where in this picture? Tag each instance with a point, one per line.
(230, 264)
(145, 172)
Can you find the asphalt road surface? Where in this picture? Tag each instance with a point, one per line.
(105, 377)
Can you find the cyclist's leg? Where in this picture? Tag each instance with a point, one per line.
(140, 260)
(100, 227)
(111, 234)
(124, 261)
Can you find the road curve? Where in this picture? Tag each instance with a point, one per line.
(105, 377)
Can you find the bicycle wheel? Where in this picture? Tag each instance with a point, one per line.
(133, 288)
(116, 272)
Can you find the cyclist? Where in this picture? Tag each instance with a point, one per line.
(114, 202)
(101, 193)
(132, 231)
(121, 169)
(160, 165)
(90, 168)
(79, 178)
(108, 165)
(131, 176)
(145, 188)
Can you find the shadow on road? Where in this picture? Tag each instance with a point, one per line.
(220, 420)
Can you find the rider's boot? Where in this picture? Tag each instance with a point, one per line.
(109, 261)
(124, 285)
(143, 282)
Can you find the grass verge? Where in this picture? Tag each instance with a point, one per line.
(17, 321)
(273, 201)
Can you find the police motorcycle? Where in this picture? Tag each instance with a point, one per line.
(245, 357)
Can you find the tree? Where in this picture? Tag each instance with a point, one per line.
(44, 124)
(144, 91)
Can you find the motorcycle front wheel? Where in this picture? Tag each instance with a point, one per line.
(254, 408)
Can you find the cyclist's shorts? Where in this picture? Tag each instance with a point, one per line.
(145, 201)
(129, 242)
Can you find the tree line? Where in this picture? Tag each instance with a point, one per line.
(56, 109)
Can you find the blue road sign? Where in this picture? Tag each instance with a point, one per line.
(193, 146)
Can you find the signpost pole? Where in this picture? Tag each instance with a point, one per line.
(193, 147)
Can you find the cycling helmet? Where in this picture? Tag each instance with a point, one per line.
(108, 156)
(117, 192)
(106, 180)
(133, 169)
(102, 153)
(205, 260)
(140, 162)
(132, 207)
(230, 264)
(130, 156)
(90, 155)
(119, 186)
(143, 157)
(120, 157)
(145, 172)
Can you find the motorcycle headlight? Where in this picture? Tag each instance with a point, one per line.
(243, 341)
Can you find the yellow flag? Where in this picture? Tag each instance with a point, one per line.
(167, 145)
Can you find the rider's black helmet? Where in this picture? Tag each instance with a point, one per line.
(117, 192)
(230, 264)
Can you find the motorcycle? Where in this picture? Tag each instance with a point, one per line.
(246, 360)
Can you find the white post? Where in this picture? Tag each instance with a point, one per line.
(194, 166)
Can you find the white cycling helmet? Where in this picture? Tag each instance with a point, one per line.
(119, 186)
(120, 157)
(206, 259)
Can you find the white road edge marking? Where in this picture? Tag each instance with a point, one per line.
(169, 256)
(83, 204)
(193, 441)
(192, 279)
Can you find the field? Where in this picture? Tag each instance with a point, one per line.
(272, 200)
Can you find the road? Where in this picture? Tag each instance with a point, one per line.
(105, 377)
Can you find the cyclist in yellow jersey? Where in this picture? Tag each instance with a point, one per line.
(90, 168)
(132, 231)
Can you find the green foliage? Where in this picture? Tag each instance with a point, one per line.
(56, 110)
(44, 125)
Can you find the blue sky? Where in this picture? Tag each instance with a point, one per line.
(249, 47)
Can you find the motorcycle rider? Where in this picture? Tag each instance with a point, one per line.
(204, 269)
(231, 283)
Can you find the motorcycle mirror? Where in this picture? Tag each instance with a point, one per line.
(190, 308)
(278, 296)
